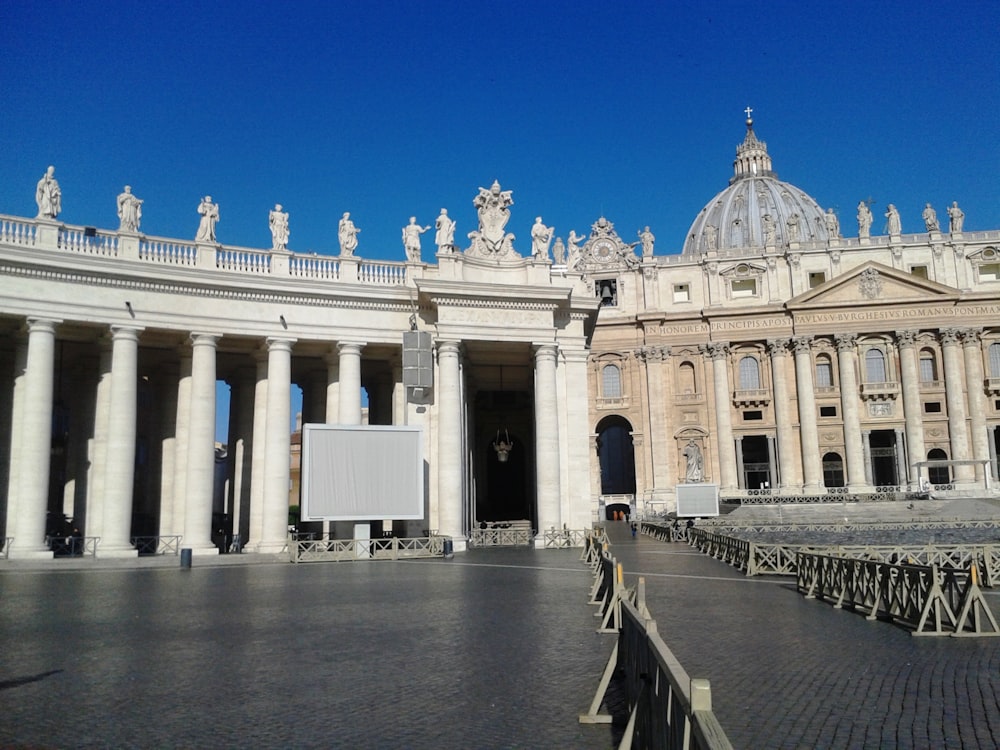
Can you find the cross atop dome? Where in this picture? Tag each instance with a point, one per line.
(752, 159)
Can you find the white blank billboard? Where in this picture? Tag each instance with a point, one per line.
(697, 500)
(361, 473)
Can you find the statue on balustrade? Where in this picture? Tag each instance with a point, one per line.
(445, 236)
(493, 209)
(411, 238)
(347, 234)
(278, 221)
(793, 228)
(573, 249)
(646, 239)
(767, 224)
(129, 211)
(541, 238)
(48, 196)
(209, 218)
(930, 218)
(559, 252)
(864, 220)
(956, 217)
(832, 224)
(892, 222)
(694, 462)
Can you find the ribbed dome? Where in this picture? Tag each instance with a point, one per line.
(735, 218)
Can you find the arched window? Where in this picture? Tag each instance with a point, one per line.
(749, 374)
(833, 470)
(928, 366)
(686, 379)
(824, 371)
(874, 366)
(938, 474)
(995, 360)
(611, 382)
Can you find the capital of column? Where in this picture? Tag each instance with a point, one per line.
(717, 349)
(125, 333)
(546, 351)
(845, 341)
(350, 347)
(203, 339)
(906, 338)
(280, 344)
(449, 347)
(42, 325)
(802, 344)
(949, 336)
(971, 336)
(777, 347)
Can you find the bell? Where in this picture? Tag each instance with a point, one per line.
(606, 295)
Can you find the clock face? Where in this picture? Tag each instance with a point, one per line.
(603, 250)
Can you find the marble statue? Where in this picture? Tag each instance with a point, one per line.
(573, 249)
(445, 236)
(793, 228)
(541, 238)
(694, 469)
(646, 239)
(48, 196)
(956, 218)
(209, 218)
(559, 252)
(892, 222)
(411, 238)
(832, 224)
(864, 220)
(129, 211)
(930, 218)
(767, 222)
(493, 209)
(347, 234)
(711, 237)
(278, 221)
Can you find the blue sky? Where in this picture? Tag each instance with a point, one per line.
(392, 109)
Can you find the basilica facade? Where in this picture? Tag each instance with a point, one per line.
(766, 354)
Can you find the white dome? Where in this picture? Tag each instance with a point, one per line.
(735, 218)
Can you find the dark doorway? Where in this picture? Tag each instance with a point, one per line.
(882, 444)
(938, 474)
(616, 455)
(756, 462)
(505, 490)
(833, 470)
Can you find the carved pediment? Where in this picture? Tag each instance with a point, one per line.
(743, 270)
(604, 250)
(873, 284)
(985, 255)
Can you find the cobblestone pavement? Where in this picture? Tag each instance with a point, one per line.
(494, 649)
(787, 672)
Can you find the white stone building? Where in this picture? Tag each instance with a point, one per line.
(789, 359)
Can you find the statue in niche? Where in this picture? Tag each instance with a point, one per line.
(209, 218)
(278, 221)
(646, 239)
(493, 209)
(559, 252)
(411, 238)
(573, 249)
(832, 224)
(793, 228)
(445, 235)
(930, 218)
(694, 462)
(129, 211)
(48, 196)
(347, 234)
(711, 237)
(767, 222)
(541, 238)
(956, 218)
(864, 220)
(892, 222)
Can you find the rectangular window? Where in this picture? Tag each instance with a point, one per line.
(828, 411)
(816, 278)
(744, 288)
(919, 271)
(989, 272)
(932, 407)
(752, 416)
(682, 293)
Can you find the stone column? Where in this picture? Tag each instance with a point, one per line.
(449, 458)
(350, 382)
(974, 378)
(258, 451)
(200, 484)
(855, 459)
(912, 411)
(812, 462)
(241, 449)
(332, 387)
(172, 517)
(16, 411)
(772, 469)
(546, 439)
(741, 477)
(119, 473)
(35, 438)
(866, 451)
(900, 459)
(655, 356)
(954, 389)
(719, 352)
(166, 385)
(787, 474)
(99, 446)
(278, 443)
(577, 470)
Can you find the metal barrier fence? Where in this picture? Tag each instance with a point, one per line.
(928, 599)
(334, 550)
(510, 537)
(667, 709)
(5, 550)
(563, 538)
(72, 546)
(157, 545)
